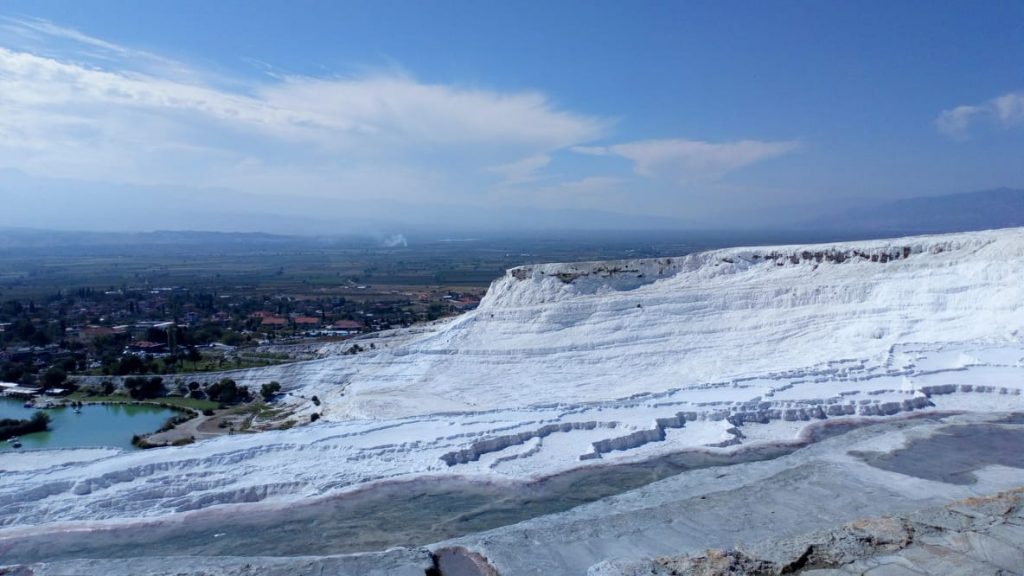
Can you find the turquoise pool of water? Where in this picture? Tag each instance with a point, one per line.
(111, 425)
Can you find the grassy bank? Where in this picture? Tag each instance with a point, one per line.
(166, 401)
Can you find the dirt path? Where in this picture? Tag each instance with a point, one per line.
(201, 427)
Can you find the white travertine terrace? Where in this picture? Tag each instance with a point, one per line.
(565, 365)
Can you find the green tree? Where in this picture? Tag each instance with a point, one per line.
(54, 377)
(228, 392)
(131, 364)
(144, 388)
(267, 391)
(194, 356)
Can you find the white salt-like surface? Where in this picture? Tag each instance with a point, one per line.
(37, 459)
(566, 365)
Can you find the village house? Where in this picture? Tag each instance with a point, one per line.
(348, 326)
(17, 390)
(146, 347)
(90, 333)
(274, 321)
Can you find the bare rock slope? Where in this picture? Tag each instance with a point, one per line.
(976, 536)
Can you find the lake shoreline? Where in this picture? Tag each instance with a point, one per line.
(205, 419)
(101, 424)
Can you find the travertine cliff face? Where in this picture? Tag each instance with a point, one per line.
(565, 366)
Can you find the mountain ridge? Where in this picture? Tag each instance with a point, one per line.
(962, 212)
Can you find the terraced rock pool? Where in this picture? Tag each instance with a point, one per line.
(417, 512)
(405, 513)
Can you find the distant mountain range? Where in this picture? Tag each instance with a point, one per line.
(983, 210)
(28, 238)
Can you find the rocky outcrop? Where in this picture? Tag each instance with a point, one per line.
(458, 561)
(974, 536)
(499, 443)
(643, 271)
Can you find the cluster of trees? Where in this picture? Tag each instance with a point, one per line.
(226, 391)
(116, 364)
(267, 391)
(10, 427)
(145, 388)
(17, 372)
(22, 329)
(54, 377)
(28, 374)
(129, 364)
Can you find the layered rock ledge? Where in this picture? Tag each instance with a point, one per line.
(975, 536)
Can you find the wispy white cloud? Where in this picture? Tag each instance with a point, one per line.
(522, 170)
(691, 160)
(398, 108)
(956, 122)
(46, 38)
(107, 118)
(36, 28)
(390, 108)
(80, 108)
(1003, 112)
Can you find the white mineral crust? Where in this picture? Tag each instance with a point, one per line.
(565, 365)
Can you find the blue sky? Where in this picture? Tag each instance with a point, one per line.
(308, 116)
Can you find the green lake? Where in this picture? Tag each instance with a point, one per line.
(111, 425)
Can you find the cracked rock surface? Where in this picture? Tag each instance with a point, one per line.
(975, 536)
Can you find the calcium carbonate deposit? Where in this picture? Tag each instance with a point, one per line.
(570, 365)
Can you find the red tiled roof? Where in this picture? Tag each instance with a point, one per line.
(348, 325)
(146, 344)
(97, 331)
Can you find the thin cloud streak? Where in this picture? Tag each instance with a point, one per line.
(521, 171)
(1003, 112)
(691, 160)
(36, 27)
